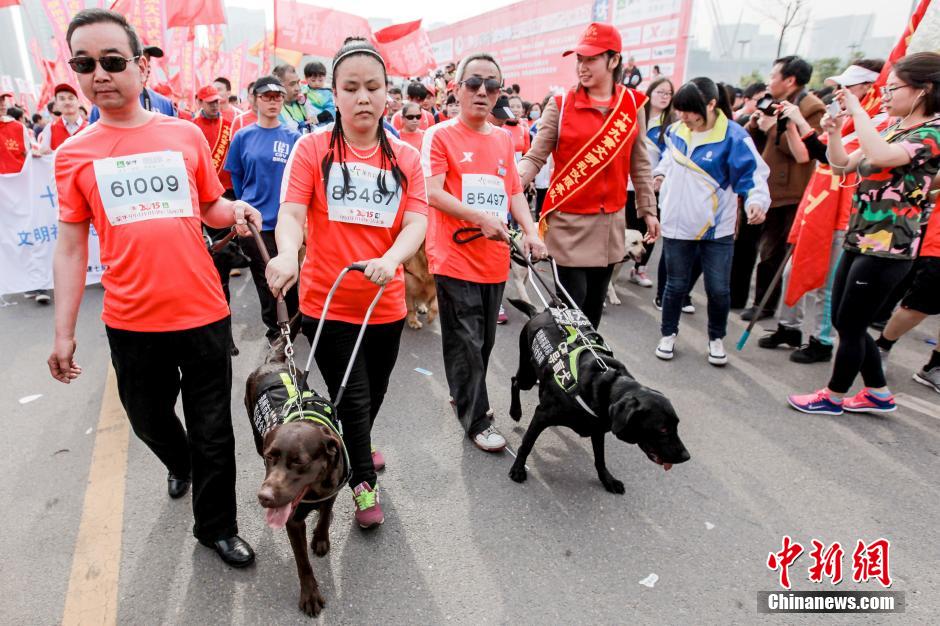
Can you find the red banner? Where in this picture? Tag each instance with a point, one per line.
(186, 13)
(406, 49)
(315, 30)
(236, 67)
(9, 3)
(529, 43)
(148, 17)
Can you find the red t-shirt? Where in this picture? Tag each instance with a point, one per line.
(159, 274)
(520, 137)
(14, 143)
(931, 244)
(413, 139)
(357, 226)
(426, 121)
(218, 133)
(245, 119)
(484, 163)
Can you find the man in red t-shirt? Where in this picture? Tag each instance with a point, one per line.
(410, 133)
(67, 124)
(473, 183)
(147, 183)
(416, 93)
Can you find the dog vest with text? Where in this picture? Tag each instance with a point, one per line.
(560, 350)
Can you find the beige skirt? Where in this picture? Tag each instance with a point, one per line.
(589, 240)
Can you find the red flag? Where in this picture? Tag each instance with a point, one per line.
(827, 193)
(405, 48)
(9, 3)
(315, 30)
(191, 12)
(148, 17)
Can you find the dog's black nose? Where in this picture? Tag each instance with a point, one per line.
(685, 456)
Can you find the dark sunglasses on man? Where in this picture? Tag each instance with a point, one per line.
(474, 82)
(112, 64)
(412, 117)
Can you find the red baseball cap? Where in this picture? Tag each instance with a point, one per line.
(5, 94)
(208, 94)
(596, 39)
(163, 89)
(64, 87)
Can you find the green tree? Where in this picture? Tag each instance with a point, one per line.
(749, 79)
(823, 69)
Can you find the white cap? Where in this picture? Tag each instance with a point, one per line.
(853, 75)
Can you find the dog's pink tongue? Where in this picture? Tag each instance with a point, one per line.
(667, 466)
(277, 517)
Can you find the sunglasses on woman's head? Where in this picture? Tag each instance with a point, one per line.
(112, 64)
(412, 117)
(474, 82)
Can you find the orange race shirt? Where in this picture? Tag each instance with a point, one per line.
(14, 142)
(218, 133)
(479, 170)
(245, 119)
(357, 225)
(521, 141)
(142, 187)
(413, 139)
(426, 121)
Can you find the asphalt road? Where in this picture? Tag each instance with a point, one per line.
(90, 535)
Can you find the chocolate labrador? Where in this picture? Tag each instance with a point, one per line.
(305, 463)
(583, 387)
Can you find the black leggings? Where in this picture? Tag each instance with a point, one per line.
(587, 287)
(862, 285)
(367, 383)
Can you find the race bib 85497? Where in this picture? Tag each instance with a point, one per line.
(140, 187)
(363, 202)
(485, 192)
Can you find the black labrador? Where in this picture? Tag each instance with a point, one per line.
(588, 391)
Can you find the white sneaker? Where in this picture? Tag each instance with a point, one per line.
(639, 277)
(716, 352)
(688, 308)
(666, 348)
(490, 440)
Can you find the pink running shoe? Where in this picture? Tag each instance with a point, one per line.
(378, 460)
(502, 318)
(819, 402)
(368, 508)
(867, 402)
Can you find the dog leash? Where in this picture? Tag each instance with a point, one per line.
(283, 321)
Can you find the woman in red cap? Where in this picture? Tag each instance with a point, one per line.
(591, 132)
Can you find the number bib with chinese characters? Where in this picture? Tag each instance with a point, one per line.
(485, 192)
(363, 202)
(142, 187)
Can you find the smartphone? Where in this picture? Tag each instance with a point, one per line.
(833, 109)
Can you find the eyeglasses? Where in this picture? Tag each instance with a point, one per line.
(888, 92)
(271, 96)
(662, 93)
(412, 117)
(475, 82)
(112, 64)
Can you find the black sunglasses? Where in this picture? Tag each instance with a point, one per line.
(112, 64)
(412, 117)
(474, 82)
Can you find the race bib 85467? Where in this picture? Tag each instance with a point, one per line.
(140, 187)
(363, 202)
(485, 192)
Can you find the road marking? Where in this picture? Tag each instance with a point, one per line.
(509, 450)
(918, 405)
(92, 595)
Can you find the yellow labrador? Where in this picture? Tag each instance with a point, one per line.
(633, 251)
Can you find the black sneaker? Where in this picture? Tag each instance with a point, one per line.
(658, 303)
(813, 352)
(792, 337)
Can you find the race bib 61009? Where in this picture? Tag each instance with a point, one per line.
(485, 192)
(363, 202)
(141, 187)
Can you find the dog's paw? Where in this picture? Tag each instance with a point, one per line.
(614, 298)
(518, 474)
(319, 546)
(614, 486)
(415, 323)
(423, 309)
(311, 601)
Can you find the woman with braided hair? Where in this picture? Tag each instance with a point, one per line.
(362, 196)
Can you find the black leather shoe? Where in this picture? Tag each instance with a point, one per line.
(177, 487)
(783, 336)
(234, 550)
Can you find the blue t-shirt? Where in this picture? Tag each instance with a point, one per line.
(158, 103)
(256, 160)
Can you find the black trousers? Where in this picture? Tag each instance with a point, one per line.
(587, 286)
(267, 299)
(634, 222)
(772, 249)
(468, 313)
(861, 286)
(367, 383)
(152, 370)
(745, 258)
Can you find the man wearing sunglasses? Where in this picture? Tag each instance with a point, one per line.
(256, 162)
(147, 183)
(149, 99)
